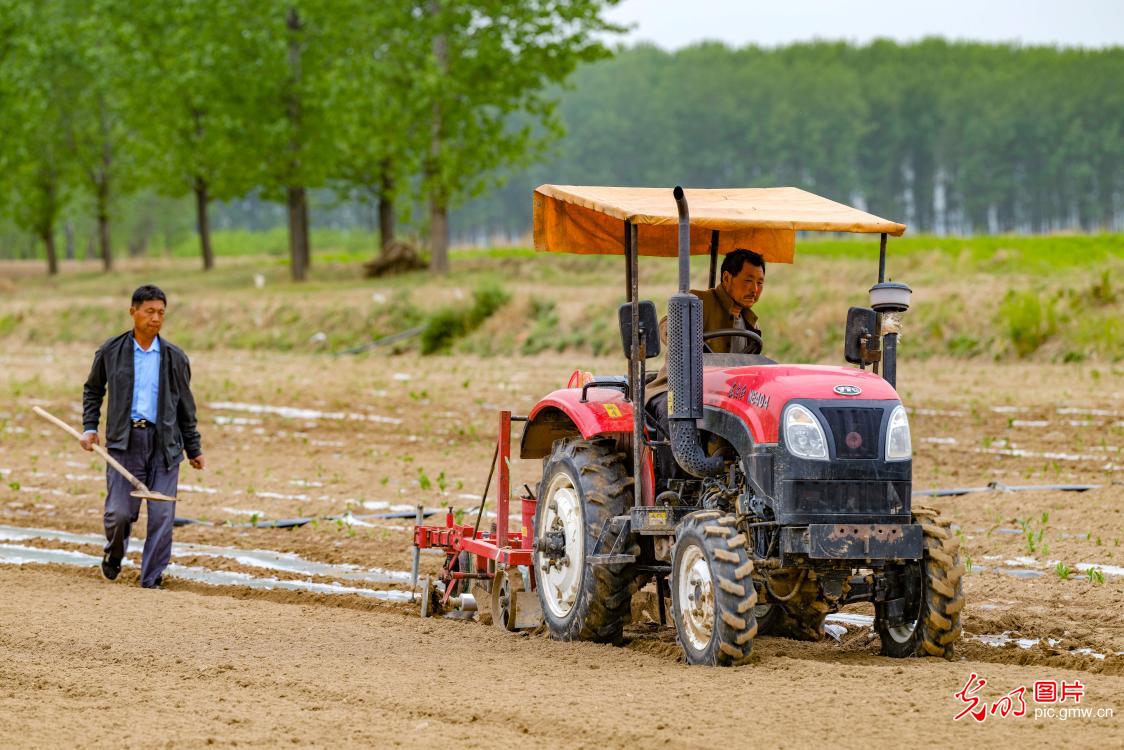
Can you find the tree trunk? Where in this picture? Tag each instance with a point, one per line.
(438, 201)
(386, 208)
(438, 234)
(203, 224)
(48, 237)
(69, 228)
(103, 238)
(300, 253)
(101, 183)
(306, 241)
(298, 233)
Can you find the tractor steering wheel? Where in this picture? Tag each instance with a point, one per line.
(725, 332)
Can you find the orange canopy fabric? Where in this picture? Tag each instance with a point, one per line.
(590, 220)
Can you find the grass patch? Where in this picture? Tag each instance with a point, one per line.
(449, 325)
(1053, 298)
(1029, 321)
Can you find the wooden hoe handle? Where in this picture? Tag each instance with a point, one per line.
(97, 448)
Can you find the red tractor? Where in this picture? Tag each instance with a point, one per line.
(793, 496)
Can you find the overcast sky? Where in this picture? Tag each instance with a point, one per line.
(676, 23)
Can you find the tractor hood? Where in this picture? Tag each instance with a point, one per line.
(758, 393)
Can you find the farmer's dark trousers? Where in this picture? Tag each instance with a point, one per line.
(145, 461)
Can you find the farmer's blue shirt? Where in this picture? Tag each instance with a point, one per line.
(146, 380)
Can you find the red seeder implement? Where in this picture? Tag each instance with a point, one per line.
(496, 561)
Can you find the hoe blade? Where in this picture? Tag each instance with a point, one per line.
(150, 495)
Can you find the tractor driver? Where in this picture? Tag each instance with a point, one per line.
(728, 305)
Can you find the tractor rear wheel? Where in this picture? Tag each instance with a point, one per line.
(712, 593)
(932, 620)
(584, 484)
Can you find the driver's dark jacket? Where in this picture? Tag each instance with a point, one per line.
(717, 314)
(176, 429)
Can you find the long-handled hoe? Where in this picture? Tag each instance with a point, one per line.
(141, 490)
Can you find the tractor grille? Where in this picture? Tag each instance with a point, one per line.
(855, 430)
(856, 498)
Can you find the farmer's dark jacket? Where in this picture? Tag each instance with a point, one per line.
(175, 424)
(717, 314)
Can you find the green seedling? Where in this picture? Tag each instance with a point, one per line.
(1095, 576)
(1062, 570)
(1033, 533)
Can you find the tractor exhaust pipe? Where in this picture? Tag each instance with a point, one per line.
(684, 362)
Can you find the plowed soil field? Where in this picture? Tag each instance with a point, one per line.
(306, 636)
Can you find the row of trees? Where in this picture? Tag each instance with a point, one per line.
(380, 102)
(950, 137)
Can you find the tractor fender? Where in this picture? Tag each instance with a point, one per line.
(563, 414)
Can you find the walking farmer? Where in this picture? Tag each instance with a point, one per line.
(150, 424)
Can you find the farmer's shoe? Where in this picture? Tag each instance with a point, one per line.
(157, 584)
(110, 569)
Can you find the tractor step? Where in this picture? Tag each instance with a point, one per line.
(610, 559)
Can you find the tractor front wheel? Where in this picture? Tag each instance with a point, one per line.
(712, 593)
(931, 625)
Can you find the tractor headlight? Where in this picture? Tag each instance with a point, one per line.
(898, 444)
(803, 434)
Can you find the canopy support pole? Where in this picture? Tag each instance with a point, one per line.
(882, 259)
(637, 355)
(881, 277)
(713, 258)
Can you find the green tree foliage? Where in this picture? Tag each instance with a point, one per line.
(379, 137)
(485, 84)
(92, 76)
(34, 161)
(195, 129)
(453, 104)
(222, 98)
(949, 137)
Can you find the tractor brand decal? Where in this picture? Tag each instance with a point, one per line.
(657, 518)
(612, 410)
(741, 392)
(847, 390)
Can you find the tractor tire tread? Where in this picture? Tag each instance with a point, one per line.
(735, 626)
(937, 627)
(604, 601)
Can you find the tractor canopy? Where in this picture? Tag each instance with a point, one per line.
(589, 220)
